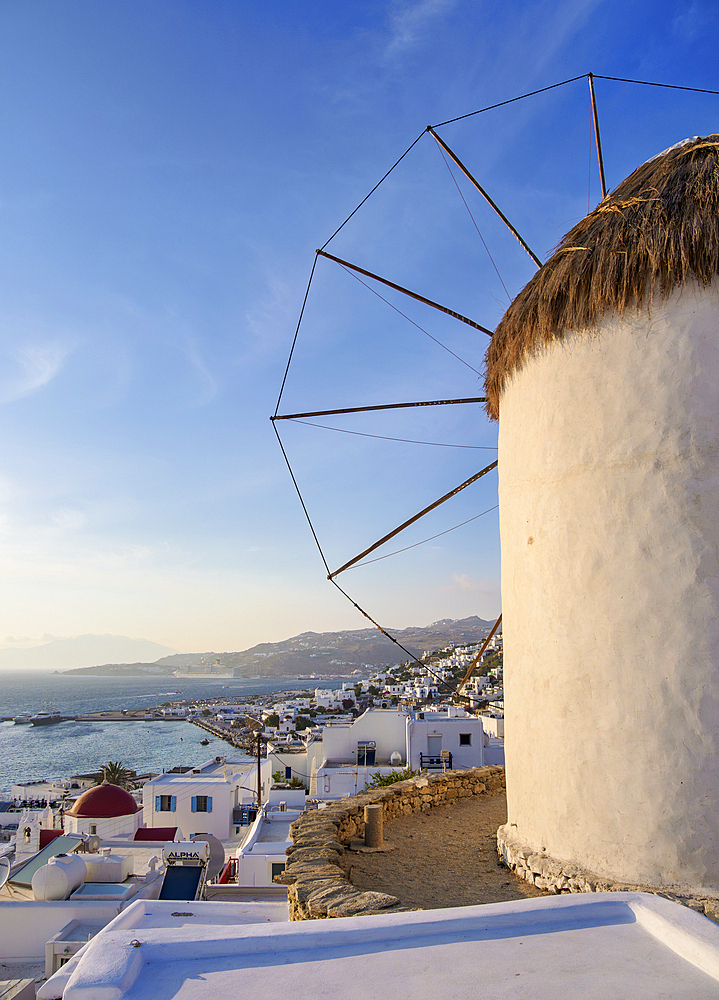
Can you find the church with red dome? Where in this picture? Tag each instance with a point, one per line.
(105, 810)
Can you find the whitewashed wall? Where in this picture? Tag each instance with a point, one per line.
(385, 726)
(438, 724)
(105, 827)
(609, 507)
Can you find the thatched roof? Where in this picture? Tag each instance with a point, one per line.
(658, 229)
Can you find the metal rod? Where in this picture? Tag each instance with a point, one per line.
(597, 137)
(384, 406)
(478, 657)
(475, 182)
(406, 524)
(406, 291)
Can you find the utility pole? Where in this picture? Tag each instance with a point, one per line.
(256, 728)
(259, 771)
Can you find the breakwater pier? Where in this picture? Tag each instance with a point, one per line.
(130, 716)
(242, 741)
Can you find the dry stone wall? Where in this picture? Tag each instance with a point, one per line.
(315, 871)
(559, 877)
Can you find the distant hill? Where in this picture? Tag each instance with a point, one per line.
(82, 651)
(320, 653)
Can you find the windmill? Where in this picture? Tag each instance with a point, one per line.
(603, 376)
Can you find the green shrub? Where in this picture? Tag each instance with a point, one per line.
(382, 780)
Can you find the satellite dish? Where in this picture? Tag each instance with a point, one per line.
(217, 854)
(5, 867)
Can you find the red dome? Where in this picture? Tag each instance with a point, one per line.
(104, 801)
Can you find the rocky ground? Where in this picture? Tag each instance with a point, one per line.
(444, 857)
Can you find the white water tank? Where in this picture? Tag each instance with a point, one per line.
(59, 877)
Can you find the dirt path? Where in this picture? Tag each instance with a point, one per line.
(446, 857)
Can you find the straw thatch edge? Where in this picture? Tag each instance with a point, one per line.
(657, 230)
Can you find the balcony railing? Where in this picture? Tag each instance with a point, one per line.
(244, 815)
(443, 763)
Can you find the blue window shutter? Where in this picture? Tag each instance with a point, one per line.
(157, 804)
(173, 803)
(194, 803)
(209, 803)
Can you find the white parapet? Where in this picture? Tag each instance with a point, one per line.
(597, 946)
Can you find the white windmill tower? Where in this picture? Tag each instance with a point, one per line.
(604, 374)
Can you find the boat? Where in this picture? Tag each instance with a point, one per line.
(204, 743)
(46, 718)
(23, 719)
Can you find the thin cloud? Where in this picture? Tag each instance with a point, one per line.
(692, 21)
(35, 366)
(410, 21)
(208, 388)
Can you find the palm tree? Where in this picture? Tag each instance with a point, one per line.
(115, 773)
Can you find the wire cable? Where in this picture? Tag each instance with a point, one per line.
(367, 196)
(297, 330)
(502, 104)
(413, 658)
(384, 437)
(415, 517)
(649, 83)
(299, 494)
(461, 195)
(369, 618)
(410, 320)
(431, 539)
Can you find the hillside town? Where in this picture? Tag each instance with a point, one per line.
(273, 759)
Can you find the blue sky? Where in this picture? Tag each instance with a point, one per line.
(167, 171)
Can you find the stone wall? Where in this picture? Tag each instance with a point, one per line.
(315, 871)
(553, 876)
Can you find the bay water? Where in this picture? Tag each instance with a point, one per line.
(31, 753)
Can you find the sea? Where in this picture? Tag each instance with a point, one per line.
(32, 753)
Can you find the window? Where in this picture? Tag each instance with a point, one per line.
(202, 803)
(165, 803)
(277, 869)
(366, 750)
(93, 828)
(465, 739)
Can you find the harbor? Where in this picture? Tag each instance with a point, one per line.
(138, 715)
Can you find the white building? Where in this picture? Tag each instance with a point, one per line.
(106, 811)
(51, 789)
(350, 754)
(384, 740)
(261, 855)
(452, 736)
(343, 697)
(207, 799)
